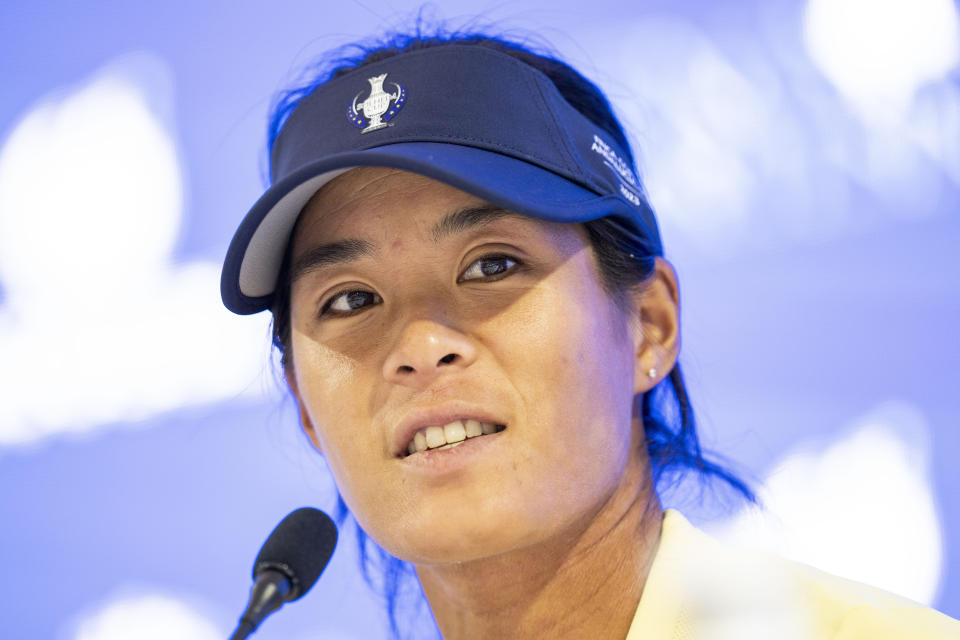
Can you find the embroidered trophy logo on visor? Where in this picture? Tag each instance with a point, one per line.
(379, 107)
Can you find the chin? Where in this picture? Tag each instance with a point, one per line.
(463, 535)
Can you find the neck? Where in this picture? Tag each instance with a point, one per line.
(585, 582)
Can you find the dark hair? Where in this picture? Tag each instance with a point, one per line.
(625, 261)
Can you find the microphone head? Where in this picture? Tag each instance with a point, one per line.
(300, 547)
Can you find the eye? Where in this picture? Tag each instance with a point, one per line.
(351, 301)
(346, 303)
(489, 266)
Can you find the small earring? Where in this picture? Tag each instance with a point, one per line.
(652, 373)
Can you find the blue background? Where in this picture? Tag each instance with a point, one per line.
(785, 340)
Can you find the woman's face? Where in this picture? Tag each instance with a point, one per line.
(434, 307)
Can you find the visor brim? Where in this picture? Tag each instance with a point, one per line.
(256, 252)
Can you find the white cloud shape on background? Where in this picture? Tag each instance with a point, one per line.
(753, 144)
(158, 615)
(891, 61)
(145, 617)
(861, 507)
(98, 323)
(878, 53)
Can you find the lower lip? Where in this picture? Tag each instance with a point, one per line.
(440, 461)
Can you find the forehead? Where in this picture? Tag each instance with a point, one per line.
(375, 203)
(372, 213)
(368, 197)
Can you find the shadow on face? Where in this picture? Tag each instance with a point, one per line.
(413, 302)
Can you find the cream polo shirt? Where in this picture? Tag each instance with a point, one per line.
(700, 589)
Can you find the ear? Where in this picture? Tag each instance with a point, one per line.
(305, 422)
(657, 327)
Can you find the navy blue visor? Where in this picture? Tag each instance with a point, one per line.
(476, 119)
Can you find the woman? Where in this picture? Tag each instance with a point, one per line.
(481, 334)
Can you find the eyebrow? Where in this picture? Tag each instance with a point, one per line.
(350, 250)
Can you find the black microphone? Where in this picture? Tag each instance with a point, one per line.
(290, 561)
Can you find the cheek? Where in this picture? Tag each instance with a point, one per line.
(572, 341)
(573, 367)
(311, 358)
(572, 375)
(338, 393)
(327, 381)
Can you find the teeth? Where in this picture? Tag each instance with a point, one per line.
(454, 432)
(450, 435)
(435, 437)
(473, 429)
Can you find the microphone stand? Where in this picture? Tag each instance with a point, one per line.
(269, 592)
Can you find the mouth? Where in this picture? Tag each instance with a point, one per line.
(449, 435)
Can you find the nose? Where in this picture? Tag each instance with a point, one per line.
(425, 350)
